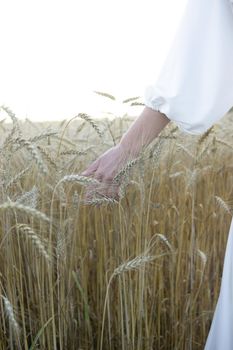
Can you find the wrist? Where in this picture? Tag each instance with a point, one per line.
(129, 148)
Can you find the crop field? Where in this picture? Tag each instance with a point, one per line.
(141, 273)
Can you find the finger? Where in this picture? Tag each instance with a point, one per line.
(91, 168)
(94, 192)
(93, 189)
(113, 191)
(90, 190)
(99, 177)
(108, 190)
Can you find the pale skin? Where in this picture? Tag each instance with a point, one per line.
(140, 134)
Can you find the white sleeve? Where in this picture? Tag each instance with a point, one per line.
(195, 85)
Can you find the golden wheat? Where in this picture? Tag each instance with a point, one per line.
(79, 274)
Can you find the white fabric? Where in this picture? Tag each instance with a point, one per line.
(220, 336)
(195, 89)
(195, 85)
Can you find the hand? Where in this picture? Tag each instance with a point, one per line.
(143, 130)
(104, 169)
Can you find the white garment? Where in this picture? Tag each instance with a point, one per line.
(195, 84)
(220, 336)
(195, 89)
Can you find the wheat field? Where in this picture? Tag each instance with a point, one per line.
(139, 274)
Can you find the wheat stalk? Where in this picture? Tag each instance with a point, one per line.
(27, 210)
(84, 180)
(224, 143)
(91, 121)
(131, 99)
(137, 104)
(10, 113)
(29, 198)
(192, 177)
(47, 157)
(202, 256)
(186, 150)
(178, 173)
(123, 172)
(36, 240)
(133, 264)
(10, 314)
(43, 135)
(60, 246)
(204, 136)
(105, 94)
(100, 201)
(165, 240)
(35, 154)
(202, 153)
(17, 177)
(223, 204)
(9, 139)
(73, 152)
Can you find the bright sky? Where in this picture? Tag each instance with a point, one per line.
(54, 53)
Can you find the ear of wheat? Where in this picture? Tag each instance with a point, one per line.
(223, 204)
(35, 239)
(133, 264)
(27, 210)
(17, 177)
(91, 122)
(29, 198)
(34, 153)
(11, 316)
(84, 180)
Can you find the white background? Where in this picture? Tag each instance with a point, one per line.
(55, 53)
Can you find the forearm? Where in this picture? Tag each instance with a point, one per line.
(143, 130)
